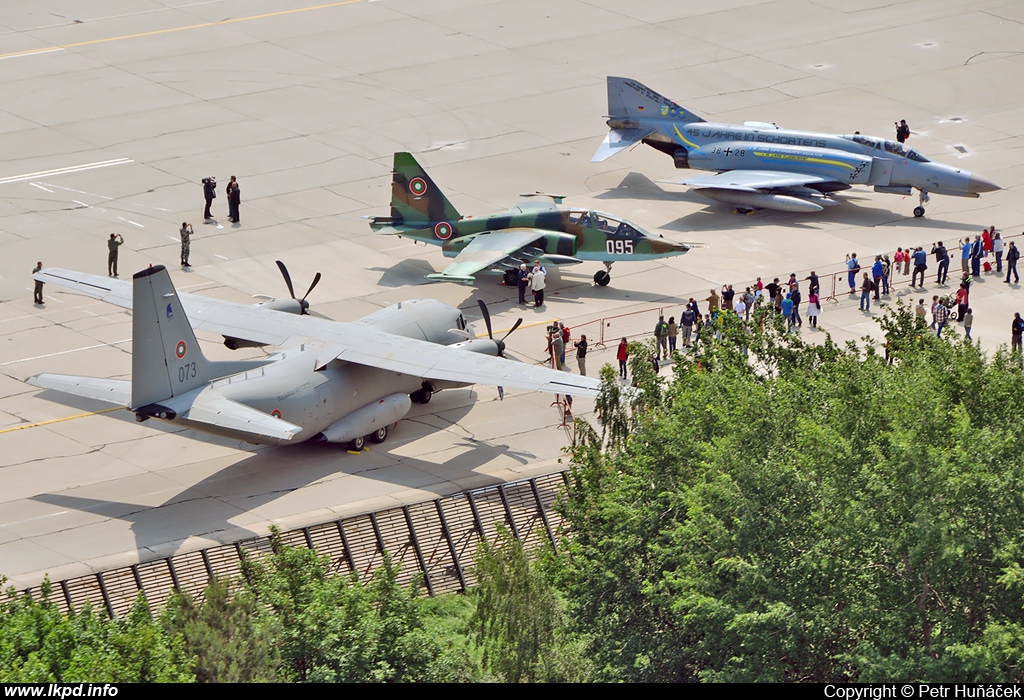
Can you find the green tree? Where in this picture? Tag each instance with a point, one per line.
(38, 644)
(229, 641)
(783, 511)
(518, 618)
(335, 629)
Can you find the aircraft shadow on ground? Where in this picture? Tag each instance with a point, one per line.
(566, 287)
(224, 497)
(713, 216)
(638, 186)
(408, 272)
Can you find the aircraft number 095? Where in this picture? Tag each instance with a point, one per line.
(186, 372)
(619, 247)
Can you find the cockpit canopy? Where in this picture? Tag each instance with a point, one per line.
(605, 223)
(892, 147)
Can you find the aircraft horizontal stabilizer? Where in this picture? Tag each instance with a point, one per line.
(618, 140)
(224, 413)
(115, 391)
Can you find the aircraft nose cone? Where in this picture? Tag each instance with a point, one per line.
(978, 184)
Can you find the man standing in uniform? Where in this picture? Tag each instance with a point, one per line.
(186, 242)
(209, 194)
(661, 336)
(38, 292)
(115, 241)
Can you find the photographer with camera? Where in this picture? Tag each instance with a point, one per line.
(209, 193)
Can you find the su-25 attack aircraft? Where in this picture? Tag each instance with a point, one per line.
(527, 232)
(761, 166)
(329, 381)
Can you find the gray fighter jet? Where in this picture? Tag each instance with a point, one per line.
(328, 381)
(760, 166)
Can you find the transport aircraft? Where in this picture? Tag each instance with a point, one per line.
(327, 381)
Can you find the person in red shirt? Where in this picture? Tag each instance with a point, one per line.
(622, 355)
(961, 301)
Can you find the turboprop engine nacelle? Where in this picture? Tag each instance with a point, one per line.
(369, 418)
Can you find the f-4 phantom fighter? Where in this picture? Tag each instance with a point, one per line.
(760, 166)
(527, 232)
(328, 381)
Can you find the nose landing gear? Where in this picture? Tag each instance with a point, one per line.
(603, 277)
(924, 199)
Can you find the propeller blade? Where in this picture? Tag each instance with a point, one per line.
(519, 322)
(501, 393)
(287, 277)
(487, 317)
(316, 281)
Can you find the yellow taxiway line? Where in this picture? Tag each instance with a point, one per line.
(60, 420)
(156, 32)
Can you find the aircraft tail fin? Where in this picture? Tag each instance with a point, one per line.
(629, 99)
(415, 199)
(166, 358)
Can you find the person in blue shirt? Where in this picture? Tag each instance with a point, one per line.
(977, 250)
(787, 311)
(877, 270)
(852, 267)
(965, 255)
(920, 265)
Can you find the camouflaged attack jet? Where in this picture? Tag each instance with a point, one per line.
(760, 166)
(527, 232)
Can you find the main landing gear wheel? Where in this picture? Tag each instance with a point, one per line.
(357, 444)
(602, 278)
(422, 395)
(511, 278)
(379, 435)
(918, 212)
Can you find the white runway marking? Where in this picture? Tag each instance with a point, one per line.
(34, 53)
(131, 222)
(35, 184)
(65, 352)
(220, 256)
(68, 189)
(65, 171)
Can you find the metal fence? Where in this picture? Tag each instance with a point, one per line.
(833, 286)
(434, 539)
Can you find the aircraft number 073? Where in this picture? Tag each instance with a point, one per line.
(619, 247)
(187, 372)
